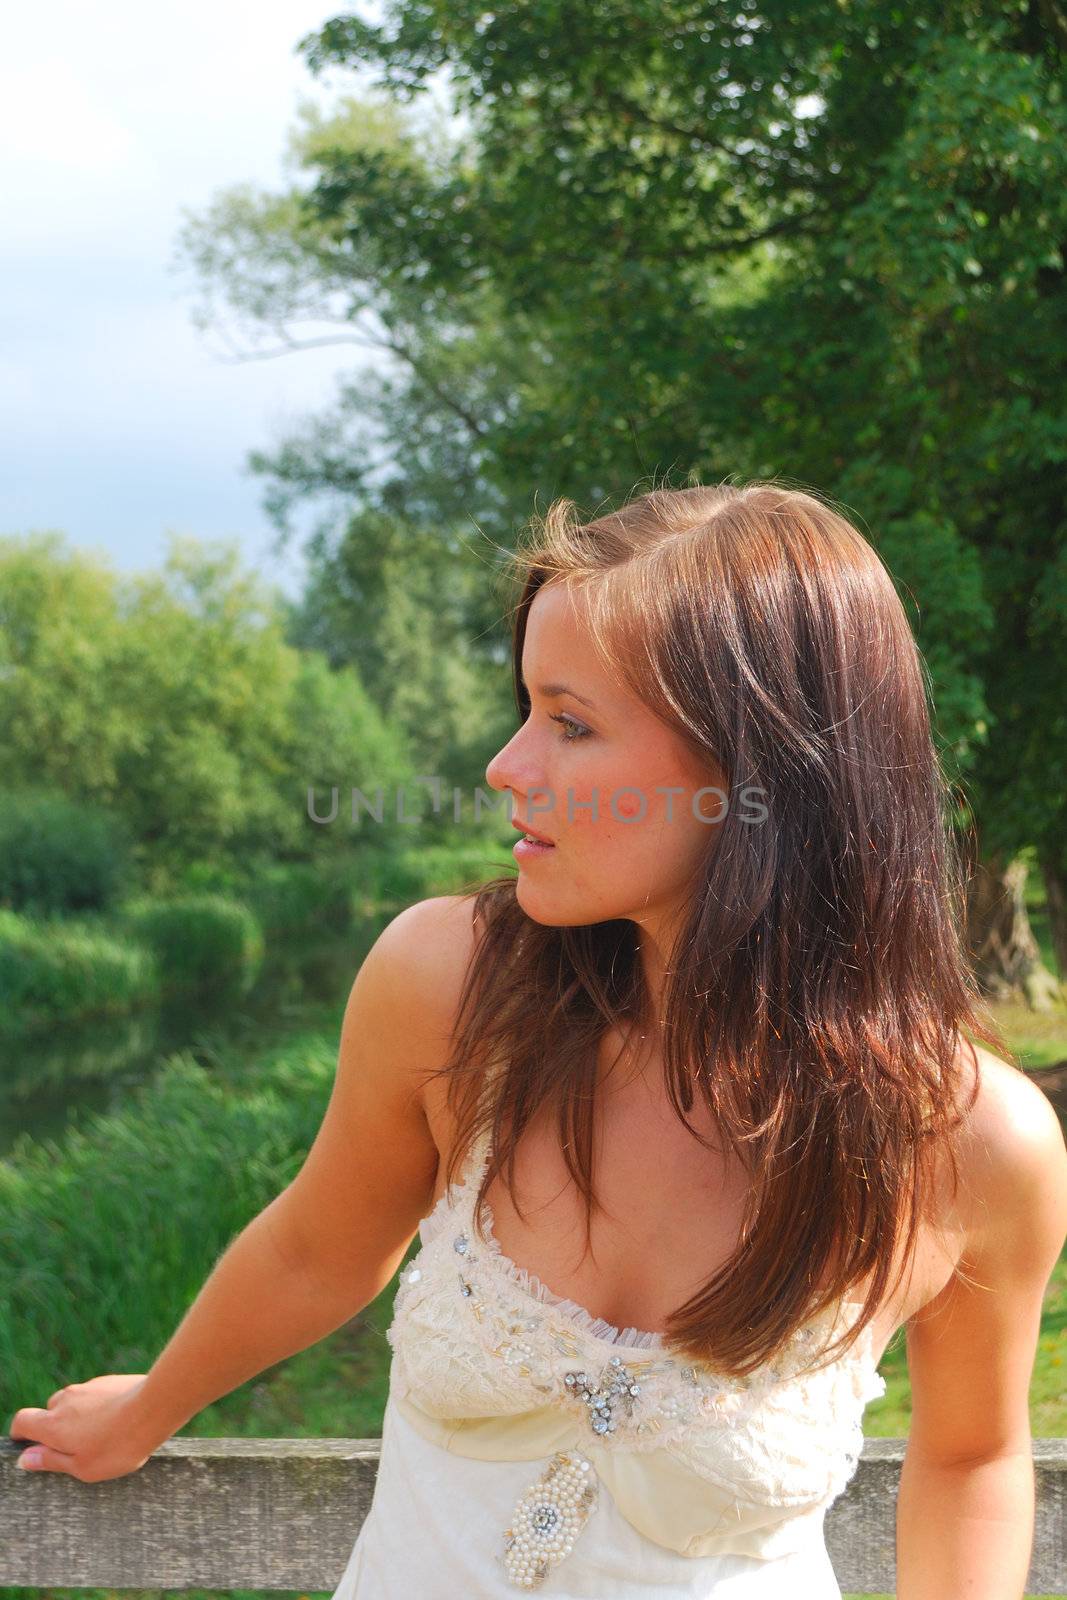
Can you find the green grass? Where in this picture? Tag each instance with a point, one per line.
(1039, 1038)
(53, 968)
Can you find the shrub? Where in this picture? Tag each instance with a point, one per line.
(54, 969)
(60, 855)
(398, 877)
(199, 941)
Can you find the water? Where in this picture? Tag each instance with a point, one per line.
(54, 1078)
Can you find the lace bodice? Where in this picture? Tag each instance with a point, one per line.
(490, 1363)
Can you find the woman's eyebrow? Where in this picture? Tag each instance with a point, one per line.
(552, 691)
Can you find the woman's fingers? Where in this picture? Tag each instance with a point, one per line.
(84, 1430)
(30, 1423)
(25, 1423)
(42, 1458)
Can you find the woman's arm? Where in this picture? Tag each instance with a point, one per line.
(965, 1510)
(324, 1247)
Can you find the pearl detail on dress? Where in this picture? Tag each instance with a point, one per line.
(548, 1517)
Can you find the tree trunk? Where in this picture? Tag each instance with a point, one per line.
(1054, 873)
(1005, 954)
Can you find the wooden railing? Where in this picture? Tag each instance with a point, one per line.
(283, 1514)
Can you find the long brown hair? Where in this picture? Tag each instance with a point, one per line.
(818, 990)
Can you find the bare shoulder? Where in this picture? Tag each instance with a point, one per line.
(979, 1334)
(429, 947)
(429, 927)
(430, 943)
(369, 1175)
(1016, 1160)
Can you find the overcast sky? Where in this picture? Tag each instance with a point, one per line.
(119, 421)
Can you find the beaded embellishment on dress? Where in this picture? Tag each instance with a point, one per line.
(617, 1387)
(548, 1518)
(475, 1336)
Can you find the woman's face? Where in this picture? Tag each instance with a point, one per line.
(636, 852)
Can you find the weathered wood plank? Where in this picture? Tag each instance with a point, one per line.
(283, 1514)
(861, 1525)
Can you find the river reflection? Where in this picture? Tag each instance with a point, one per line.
(50, 1079)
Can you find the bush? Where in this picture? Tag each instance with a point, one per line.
(312, 896)
(398, 877)
(50, 970)
(199, 941)
(60, 855)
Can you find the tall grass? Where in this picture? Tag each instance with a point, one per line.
(107, 1235)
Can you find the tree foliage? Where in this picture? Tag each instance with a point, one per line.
(173, 701)
(821, 242)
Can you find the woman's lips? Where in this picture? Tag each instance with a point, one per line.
(523, 828)
(527, 849)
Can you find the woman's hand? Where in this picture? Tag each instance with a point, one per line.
(86, 1430)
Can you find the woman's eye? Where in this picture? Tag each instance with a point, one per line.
(572, 730)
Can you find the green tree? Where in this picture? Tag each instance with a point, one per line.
(821, 244)
(400, 566)
(173, 700)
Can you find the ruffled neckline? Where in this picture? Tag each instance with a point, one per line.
(527, 1282)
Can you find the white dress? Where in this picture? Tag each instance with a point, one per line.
(529, 1445)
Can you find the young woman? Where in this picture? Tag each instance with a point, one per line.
(685, 1115)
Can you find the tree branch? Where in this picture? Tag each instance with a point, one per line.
(288, 344)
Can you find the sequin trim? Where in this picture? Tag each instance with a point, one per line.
(733, 1429)
(643, 1403)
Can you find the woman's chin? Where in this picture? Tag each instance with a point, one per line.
(552, 909)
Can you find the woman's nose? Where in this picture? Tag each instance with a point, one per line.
(514, 767)
(498, 772)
